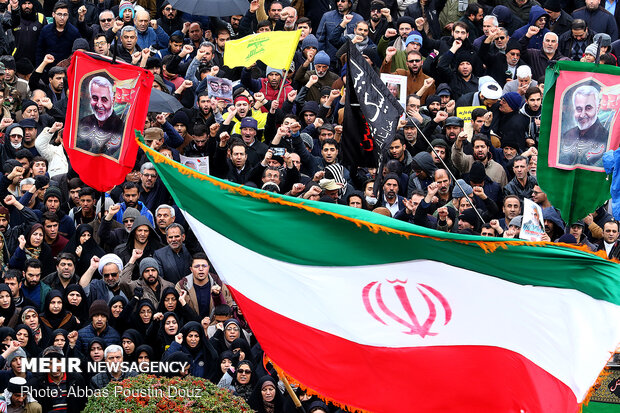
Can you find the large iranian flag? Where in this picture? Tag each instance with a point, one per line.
(385, 316)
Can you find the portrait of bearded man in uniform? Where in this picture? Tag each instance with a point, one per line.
(101, 132)
(585, 143)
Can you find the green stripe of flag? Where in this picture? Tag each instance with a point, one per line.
(298, 236)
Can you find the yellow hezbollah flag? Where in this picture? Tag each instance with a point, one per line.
(275, 49)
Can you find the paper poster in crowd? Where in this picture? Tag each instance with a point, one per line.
(464, 112)
(220, 88)
(397, 85)
(532, 226)
(200, 164)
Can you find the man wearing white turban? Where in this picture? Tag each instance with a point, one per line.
(110, 267)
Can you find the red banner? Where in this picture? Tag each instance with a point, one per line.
(107, 102)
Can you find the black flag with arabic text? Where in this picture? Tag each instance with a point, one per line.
(371, 112)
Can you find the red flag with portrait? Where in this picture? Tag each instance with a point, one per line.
(107, 103)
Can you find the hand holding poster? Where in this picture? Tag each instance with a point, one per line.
(106, 103)
(533, 227)
(220, 88)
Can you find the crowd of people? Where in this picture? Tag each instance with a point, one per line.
(121, 277)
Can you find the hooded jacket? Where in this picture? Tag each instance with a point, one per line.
(535, 41)
(153, 244)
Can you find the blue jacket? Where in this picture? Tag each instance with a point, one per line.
(85, 335)
(58, 44)
(151, 36)
(611, 163)
(143, 211)
(536, 41)
(327, 26)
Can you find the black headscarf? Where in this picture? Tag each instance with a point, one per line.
(7, 313)
(89, 248)
(65, 334)
(136, 338)
(242, 344)
(90, 345)
(4, 333)
(115, 322)
(256, 399)
(138, 324)
(31, 349)
(54, 320)
(80, 311)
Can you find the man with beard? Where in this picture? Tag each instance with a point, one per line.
(202, 113)
(379, 21)
(164, 217)
(174, 258)
(256, 150)
(26, 24)
(112, 233)
(417, 81)
(397, 37)
(150, 284)
(201, 144)
(131, 199)
(598, 19)
(64, 274)
(32, 288)
(481, 153)
(454, 127)
(99, 313)
(171, 20)
(143, 237)
(501, 66)
(324, 77)
(444, 186)
(289, 15)
(586, 143)
(538, 59)
(195, 34)
(269, 86)
(531, 113)
(110, 267)
(243, 108)
(390, 199)
(101, 132)
(457, 69)
(330, 21)
(55, 88)
(397, 150)
(554, 226)
(12, 232)
(473, 19)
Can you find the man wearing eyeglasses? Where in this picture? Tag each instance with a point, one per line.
(203, 290)
(110, 267)
(26, 24)
(417, 81)
(91, 31)
(170, 20)
(57, 38)
(539, 18)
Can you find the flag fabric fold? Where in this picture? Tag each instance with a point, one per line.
(576, 192)
(371, 112)
(106, 103)
(275, 49)
(384, 316)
